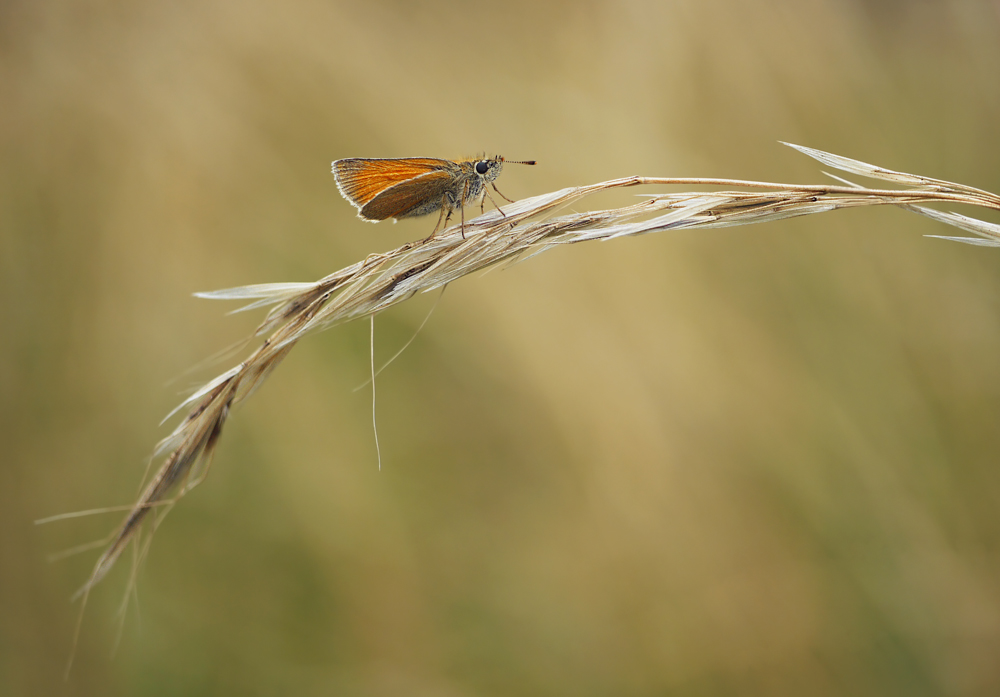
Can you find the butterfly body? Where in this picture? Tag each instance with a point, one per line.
(383, 188)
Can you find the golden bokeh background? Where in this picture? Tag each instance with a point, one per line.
(750, 461)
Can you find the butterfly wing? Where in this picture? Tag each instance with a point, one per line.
(418, 196)
(360, 180)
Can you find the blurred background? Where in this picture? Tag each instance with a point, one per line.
(752, 461)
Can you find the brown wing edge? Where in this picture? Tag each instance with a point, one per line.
(338, 177)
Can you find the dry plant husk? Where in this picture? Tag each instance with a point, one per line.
(525, 228)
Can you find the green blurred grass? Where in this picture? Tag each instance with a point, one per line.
(750, 461)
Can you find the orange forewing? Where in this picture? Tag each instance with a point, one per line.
(361, 180)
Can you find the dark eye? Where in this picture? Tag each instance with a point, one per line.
(482, 167)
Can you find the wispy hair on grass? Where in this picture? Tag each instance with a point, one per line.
(524, 228)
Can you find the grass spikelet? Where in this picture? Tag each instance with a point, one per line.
(526, 227)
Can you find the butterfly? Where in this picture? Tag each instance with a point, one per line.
(408, 187)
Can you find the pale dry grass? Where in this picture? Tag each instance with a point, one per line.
(525, 228)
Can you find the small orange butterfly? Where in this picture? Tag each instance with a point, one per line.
(407, 187)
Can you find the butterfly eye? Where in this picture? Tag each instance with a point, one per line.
(482, 167)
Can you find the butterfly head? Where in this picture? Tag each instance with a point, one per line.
(489, 168)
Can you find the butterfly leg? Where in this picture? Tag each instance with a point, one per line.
(444, 209)
(501, 195)
(461, 204)
(493, 201)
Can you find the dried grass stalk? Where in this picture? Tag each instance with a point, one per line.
(525, 228)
